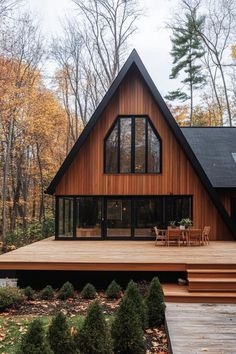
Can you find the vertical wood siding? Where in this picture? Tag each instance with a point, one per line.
(85, 176)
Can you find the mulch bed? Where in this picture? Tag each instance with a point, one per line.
(155, 339)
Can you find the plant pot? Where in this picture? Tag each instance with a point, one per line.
(182, 227)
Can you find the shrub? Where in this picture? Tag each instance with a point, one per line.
(29, 293)
(66, 291)
(155, 303)
(47, 293)
(88, 292)
(94, 336)
(10, 296)
(135, 296)
(127, 332)
(60, 340)
(34, 341)
(113, 290)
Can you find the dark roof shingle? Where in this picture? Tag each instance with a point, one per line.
(213, 147)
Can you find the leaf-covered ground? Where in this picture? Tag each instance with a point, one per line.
(14, 322)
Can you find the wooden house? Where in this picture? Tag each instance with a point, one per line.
(133, 168)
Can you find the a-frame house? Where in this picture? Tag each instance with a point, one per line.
(133, 168)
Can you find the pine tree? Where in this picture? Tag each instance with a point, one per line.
(127, 332)
(34, 341)
(113, 290)
(94, 336)
(59, 336)
(133, 293)
(88, 292)
(155, 303)
(187, 49)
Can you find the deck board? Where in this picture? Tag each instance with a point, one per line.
(49, 254)
(199, 328)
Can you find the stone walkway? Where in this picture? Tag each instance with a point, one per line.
(202, 328)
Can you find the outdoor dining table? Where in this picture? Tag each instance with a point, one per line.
(183, 236)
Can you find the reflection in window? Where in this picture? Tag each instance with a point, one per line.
(125, 145)
(88, 216)
(148, 213)
(153, 151)
(112, 151)
(65, 213)
(132, 146)
(140, 126)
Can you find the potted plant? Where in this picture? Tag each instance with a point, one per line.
(185, 223)
(173, 224)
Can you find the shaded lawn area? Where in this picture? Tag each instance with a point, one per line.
(13, 327)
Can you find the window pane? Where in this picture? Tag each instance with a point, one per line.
(65, 215)
(88, 218)
(125, 145)
(112, 151)
(177, 208)
(153, 151)
(140, 136)
(148, 213)
(119, 217)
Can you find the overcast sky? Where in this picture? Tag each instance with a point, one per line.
(151, 41)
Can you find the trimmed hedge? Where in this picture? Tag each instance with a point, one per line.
(94, 336)
(155, 304)
(113, 290)
(34, 341)
(66, 291)
(89, 292)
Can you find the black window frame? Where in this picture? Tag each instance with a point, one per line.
(104, 199)
(132, 172)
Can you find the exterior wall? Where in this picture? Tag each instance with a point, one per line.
(225, 196)
(85, 176)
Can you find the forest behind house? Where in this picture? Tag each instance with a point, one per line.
(42, 115)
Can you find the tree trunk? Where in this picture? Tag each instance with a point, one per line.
(5, 174)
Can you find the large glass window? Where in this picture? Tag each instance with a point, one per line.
(148, 213)
(65, 214)
(125, 145)
(118, 217)
(132, 146)
(88, 217)
(112, 151)
(177, 208)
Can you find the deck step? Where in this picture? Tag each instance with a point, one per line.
(212, 273)
(177, 293)
(212, 279)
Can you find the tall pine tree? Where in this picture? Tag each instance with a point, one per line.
(187, 49)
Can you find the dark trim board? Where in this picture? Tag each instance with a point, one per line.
(134, 62)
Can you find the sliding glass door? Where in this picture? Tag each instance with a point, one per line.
(128, 217)
(118, 217)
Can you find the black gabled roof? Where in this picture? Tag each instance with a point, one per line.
(213, 147)
(135, 61)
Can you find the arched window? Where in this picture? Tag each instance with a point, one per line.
(132, 145)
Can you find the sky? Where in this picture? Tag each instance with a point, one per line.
(152, 40)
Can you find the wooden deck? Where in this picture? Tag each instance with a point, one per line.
(118, 255)
(210, 270)
(199, 328)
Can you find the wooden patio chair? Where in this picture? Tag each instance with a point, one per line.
(160, 236)
(194, 237)
(205, 235)
(174, 236)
